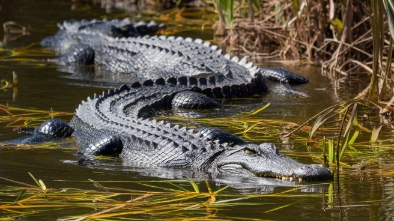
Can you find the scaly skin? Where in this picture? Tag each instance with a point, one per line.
(114, 119)
(150, 58)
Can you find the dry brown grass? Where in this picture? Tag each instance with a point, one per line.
(337, 36)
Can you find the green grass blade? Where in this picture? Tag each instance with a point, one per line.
(35, 180)
(194, 185)
(259, 110)
(354, 137)
(42, 185)
(279, 207)
(220, 190)
(331, 154)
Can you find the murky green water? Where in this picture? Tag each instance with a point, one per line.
(355, 194)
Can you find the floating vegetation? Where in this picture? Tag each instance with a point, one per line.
(159, 199)
(21, 117)
(25, 54)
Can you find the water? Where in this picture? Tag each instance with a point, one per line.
(362, 194)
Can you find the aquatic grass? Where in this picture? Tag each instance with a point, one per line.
(343, 117)
(22, 117)
(338, 122)
(39, 182)
(337, 110)
(30, 54)
(162, 201)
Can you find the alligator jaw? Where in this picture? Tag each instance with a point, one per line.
(265, 161)
(239, 170)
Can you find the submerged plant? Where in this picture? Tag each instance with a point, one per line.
(22, 117)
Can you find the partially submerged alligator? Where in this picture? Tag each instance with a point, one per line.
(149, 58)
(181, 73)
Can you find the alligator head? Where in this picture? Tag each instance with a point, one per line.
(265, 160)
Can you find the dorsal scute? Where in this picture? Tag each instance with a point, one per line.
(124, 88)
(198, 41)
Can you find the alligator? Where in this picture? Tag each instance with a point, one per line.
(179, 73)
(147, 58)
(119, 122)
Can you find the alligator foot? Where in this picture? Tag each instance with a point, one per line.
(283, 75)
(49, 130)
(98, 142)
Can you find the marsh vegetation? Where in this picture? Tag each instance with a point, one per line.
(355, 134)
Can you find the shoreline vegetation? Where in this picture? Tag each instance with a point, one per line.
(344, 37)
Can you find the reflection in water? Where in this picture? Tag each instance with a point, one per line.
(125, 5)
(4, 85)
(244, 185)
(96, 74)
(387, 209)
(13, 31)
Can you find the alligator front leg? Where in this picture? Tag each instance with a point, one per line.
(280, 80)
(283, 75)
(80, 54)
(94, 142)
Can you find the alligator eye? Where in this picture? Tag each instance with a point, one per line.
(249, 151)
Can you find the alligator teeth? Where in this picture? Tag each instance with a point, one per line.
(188, 39)
(227, 56)
(214, 47)
(179, 39)
(219, 51)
